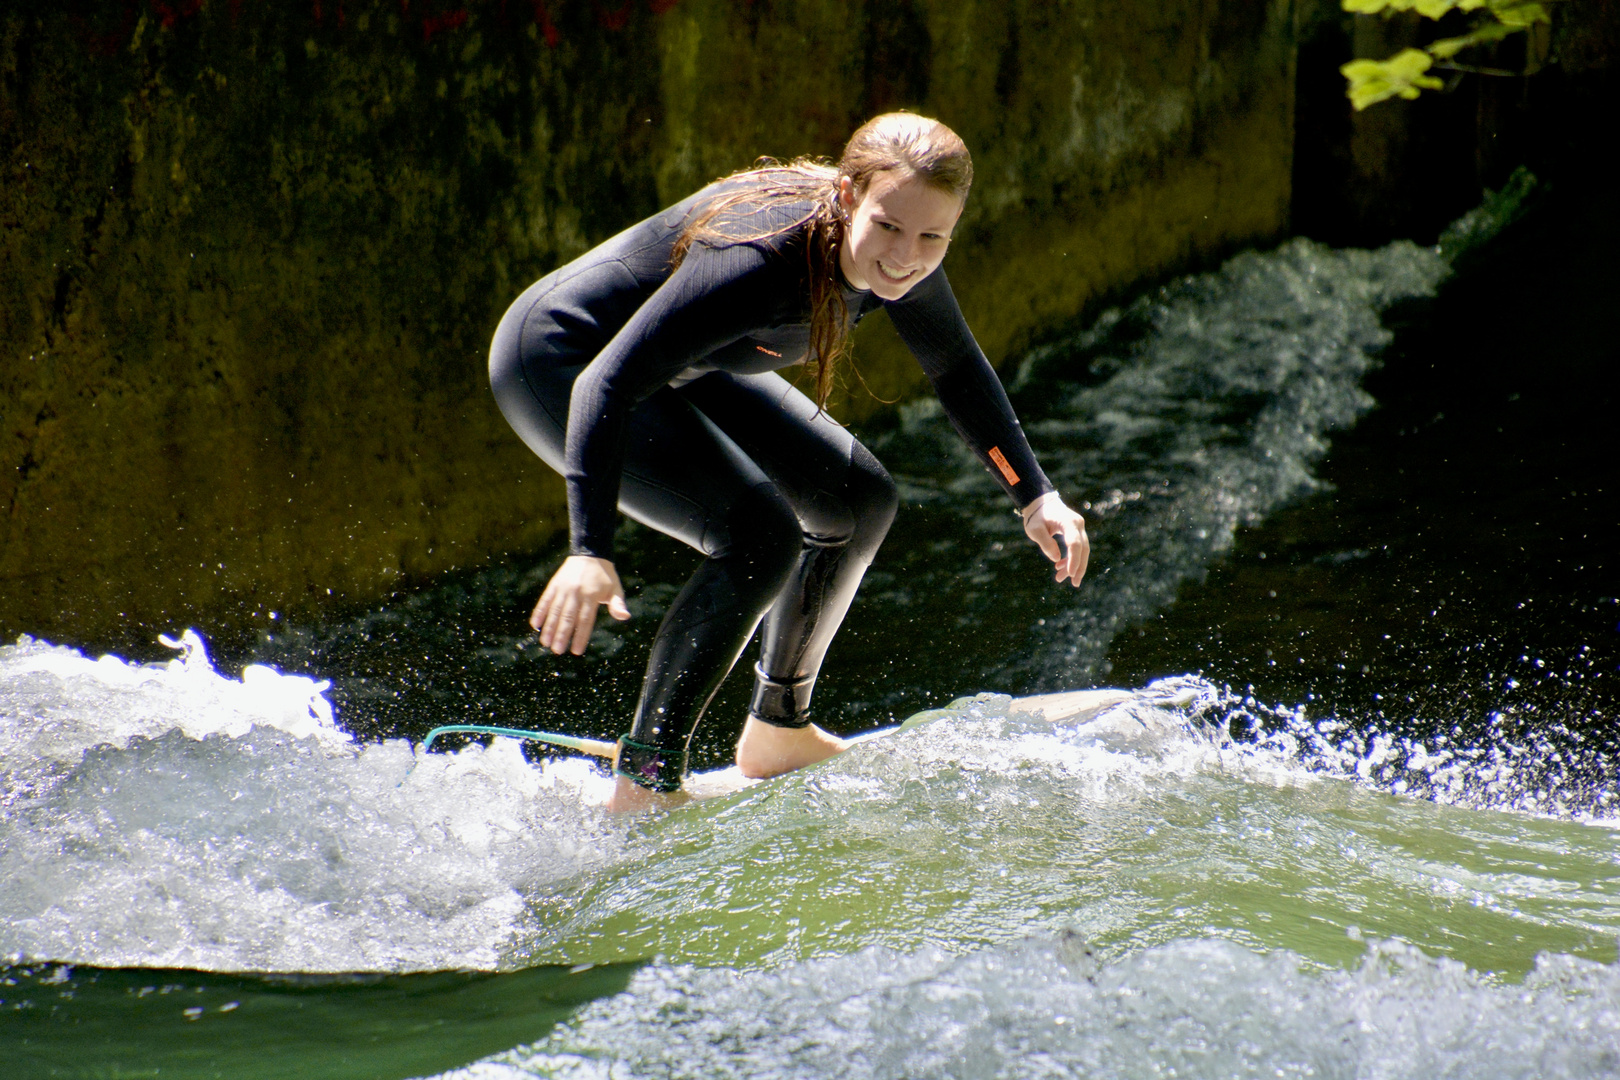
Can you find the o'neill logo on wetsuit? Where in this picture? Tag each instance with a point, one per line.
(1001, 463)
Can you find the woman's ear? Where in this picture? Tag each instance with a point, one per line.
(846, 194)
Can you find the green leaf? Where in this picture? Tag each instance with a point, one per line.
(1446, 48)
(1429, 9)
(1402, 75)
(1518, 15)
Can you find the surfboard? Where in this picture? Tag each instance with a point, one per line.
(1073, 707)
(1096, 713)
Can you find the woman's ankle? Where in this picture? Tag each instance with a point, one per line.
(764, 750)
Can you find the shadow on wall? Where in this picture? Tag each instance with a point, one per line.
(251, 253)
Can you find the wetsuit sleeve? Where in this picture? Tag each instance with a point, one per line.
(932, 326)
(716, 296)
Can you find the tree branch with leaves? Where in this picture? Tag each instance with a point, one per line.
(1408, 72)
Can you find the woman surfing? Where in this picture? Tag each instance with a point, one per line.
(645, 373)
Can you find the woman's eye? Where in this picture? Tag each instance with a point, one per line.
(886, 227)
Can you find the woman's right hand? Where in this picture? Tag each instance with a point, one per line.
(566, 613)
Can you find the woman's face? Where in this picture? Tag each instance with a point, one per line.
(898, 232)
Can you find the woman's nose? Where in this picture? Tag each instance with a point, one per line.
(908, 250)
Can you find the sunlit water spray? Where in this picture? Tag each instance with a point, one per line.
(1202, 408)
(231, 826)
(1046, 1008)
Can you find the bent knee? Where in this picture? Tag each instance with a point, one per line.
(874, 498)
(762, 528)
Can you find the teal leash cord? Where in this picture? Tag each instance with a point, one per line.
(567, 742)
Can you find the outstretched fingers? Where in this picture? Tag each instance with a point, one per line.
(569, 623)
(542, 609)
(566, 612)
(583, 622)
(558, 619)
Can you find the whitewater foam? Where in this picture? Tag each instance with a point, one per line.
(1048, 1007)
(165, 815)
(169, 816)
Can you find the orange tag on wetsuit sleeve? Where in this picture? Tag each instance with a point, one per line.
(1001, 463)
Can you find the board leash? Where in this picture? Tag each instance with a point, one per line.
(594, 747)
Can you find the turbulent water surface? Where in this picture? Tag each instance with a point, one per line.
(211, 873)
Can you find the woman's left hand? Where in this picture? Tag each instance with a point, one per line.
(1047, 518)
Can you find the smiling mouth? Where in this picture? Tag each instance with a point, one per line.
(890, 275)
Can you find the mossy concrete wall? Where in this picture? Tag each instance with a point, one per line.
(251, 253)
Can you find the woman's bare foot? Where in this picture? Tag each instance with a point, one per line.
(765, 750)
(630, 797)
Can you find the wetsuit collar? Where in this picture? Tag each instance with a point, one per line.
(843, 282)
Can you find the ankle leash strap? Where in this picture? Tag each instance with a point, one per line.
(784, 704)
(649, 766)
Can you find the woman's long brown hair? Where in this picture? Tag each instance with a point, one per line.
(893, 142)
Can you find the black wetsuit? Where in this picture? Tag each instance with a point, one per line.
(655, 392)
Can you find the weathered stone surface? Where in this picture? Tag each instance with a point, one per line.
(251, 253)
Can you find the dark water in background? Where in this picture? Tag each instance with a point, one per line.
(1465, 557)
(1427, 608)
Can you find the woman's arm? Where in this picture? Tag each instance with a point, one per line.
(931, 323)
(715, 297)
(932, 326)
